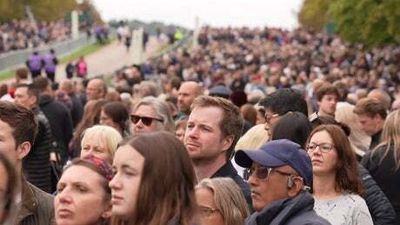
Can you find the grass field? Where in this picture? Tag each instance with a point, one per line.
(86, 50)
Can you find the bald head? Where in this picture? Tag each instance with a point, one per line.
(96, 89)
(188, 91)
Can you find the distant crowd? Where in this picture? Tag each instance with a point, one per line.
(22, 34)
(251, 126)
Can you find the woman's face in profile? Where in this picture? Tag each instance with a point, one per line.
(81, 197)
(128, 168)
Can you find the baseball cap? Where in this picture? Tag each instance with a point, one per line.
(278, 153)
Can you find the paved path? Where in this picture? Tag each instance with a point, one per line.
(108, 59)
(111, 58)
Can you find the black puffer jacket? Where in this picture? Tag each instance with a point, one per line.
(60, 122)
(379, 206)
(380, 175)
(36, 165)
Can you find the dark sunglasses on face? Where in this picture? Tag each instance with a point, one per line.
(262, 172)
(147, 121)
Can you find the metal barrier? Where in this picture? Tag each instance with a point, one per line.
(15, 58)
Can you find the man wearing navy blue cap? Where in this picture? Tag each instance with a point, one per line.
(279, 175)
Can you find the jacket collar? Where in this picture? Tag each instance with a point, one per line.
(225, 171)
(29, 203)
(283, 210)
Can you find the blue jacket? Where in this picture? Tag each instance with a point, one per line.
(289, 211)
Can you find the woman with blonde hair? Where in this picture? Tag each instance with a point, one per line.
(101, 141)
(383, 162)
(220, 202)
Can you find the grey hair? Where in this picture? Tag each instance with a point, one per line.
(161, 108)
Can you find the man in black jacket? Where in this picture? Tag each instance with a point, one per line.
(213, 128)
(57, 114)
(280, 175)
(36, 164)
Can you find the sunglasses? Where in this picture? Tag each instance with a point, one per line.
(147, 121)
(262, 172)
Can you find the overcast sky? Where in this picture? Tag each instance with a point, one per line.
(277, 13)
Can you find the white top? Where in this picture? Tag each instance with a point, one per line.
(348, 209)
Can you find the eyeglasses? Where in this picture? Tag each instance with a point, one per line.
(323, 147)
(262, 172)
(205, 211)
(145, 119)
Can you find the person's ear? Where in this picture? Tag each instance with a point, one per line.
(296, 186)
(227, 142)
(23, 150)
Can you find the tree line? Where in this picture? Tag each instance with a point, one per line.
(44, 10)
(370, 22)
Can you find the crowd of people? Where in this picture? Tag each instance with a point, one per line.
(23, 34)
(252, 126)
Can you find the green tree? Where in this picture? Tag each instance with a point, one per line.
(314, 14)
(371, 22)
(50, 10)
(10, 9)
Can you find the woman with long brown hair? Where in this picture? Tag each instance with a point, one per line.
(336, 184)
(154, 182)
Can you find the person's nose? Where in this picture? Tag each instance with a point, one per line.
(139, 124)
(317, 150)
(252, 181)
(114, 183)
(64, 196)
(192, 132)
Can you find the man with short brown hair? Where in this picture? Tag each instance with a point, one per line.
(213, 128)
(327, 96)
(371, 114)
(18, 129)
